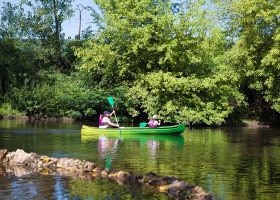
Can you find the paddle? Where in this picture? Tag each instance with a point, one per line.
(111, 102)
(143, 124)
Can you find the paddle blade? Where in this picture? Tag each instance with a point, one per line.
(143, 124)
(111, 101)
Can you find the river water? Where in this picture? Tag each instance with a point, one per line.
(234, 163)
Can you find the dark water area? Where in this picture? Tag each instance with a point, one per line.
(234, 163)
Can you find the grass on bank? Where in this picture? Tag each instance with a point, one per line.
(7, 111)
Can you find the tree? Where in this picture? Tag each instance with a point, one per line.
(17, 66)
(30, 40)
(256, 52)
(155, 46)
(46, 18)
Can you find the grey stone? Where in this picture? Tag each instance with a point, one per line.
(104, 174)
(87, 166)
(22, 158)
(197, 193)
(3, 153)
(2, 170)
(21, 171)
(60, 163)
(155, 180)
(10, 156)
(123, 177)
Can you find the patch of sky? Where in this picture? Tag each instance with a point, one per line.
(70, 27)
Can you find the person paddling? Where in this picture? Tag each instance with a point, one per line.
(106, 121)
(154, 122)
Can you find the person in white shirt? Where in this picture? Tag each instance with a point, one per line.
(154, 122)
(106, 121)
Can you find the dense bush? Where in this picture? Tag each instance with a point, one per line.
(7, 111)
(188, 100)
(64, 96)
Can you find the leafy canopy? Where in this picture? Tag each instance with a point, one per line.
(170, 55)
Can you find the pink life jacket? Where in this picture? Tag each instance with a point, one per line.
(100, 120)
(151, 123)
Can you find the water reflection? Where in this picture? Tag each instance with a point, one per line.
(153, 145)
(104, 189)
(33, 186)
(140, 139)
(107, 147)
(19, 171)
(109, 144)
(133, 152)
(23, 188)
(234, 163)
(36, 186)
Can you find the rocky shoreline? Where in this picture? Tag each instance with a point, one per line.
(20, 163)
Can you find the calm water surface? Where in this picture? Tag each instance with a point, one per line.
(234, 163)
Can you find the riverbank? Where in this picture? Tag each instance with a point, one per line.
(255, 124)
(243, 123)
(20, 163)
(26, 118)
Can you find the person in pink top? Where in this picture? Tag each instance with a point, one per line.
(154, 122)
(105, 121)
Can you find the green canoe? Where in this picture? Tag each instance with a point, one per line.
(164, 130)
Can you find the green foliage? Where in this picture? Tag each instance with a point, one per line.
(7, 110)
(63, 96)
(146, 36)
(37, 22)
(188, 100)
(256, 53)
(18, 64)
(68, 53)
(132, 42)
(188, 61)
(46, 18)
(153, 49)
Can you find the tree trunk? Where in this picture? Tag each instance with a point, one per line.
(57, 32)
